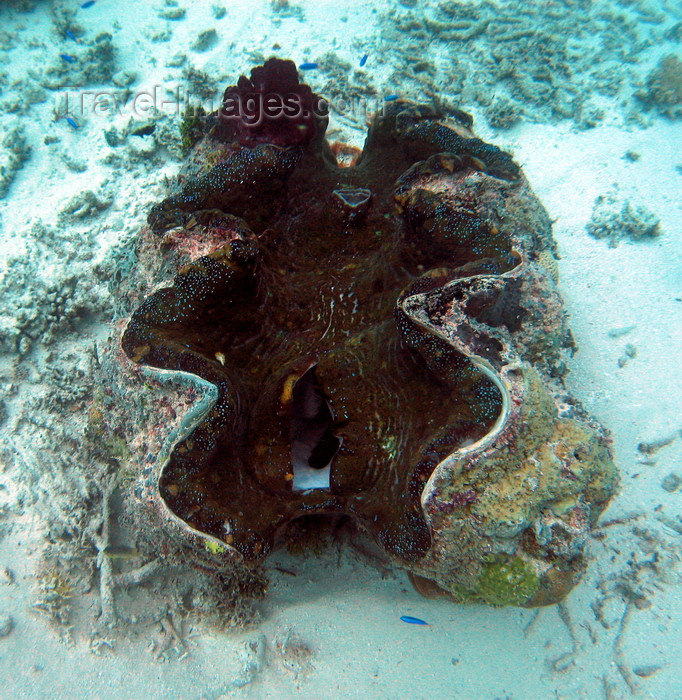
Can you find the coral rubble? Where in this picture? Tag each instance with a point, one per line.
(14, 153)
(385, 341)
(547, 61)
(615, 219)
(664, 87)
(95, 64)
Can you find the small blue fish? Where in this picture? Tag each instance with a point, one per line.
(87, 4)
(363, 60)
(67, 57)
(70, 35)
(413, 620)
(307, 66)
(71, 122)
(391, 98)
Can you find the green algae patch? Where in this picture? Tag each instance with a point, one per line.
(192, 126)
(507, 581)
(213, 547)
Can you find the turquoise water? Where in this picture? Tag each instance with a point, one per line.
(103, 590)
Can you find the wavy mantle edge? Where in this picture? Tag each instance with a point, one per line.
(447, 466)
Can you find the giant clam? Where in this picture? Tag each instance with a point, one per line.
(386, 343)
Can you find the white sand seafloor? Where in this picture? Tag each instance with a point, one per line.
(618, 633)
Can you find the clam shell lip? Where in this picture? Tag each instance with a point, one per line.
(450, 462)
(353, 197)
(495, 377)
(197, 533)
(194, 417)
